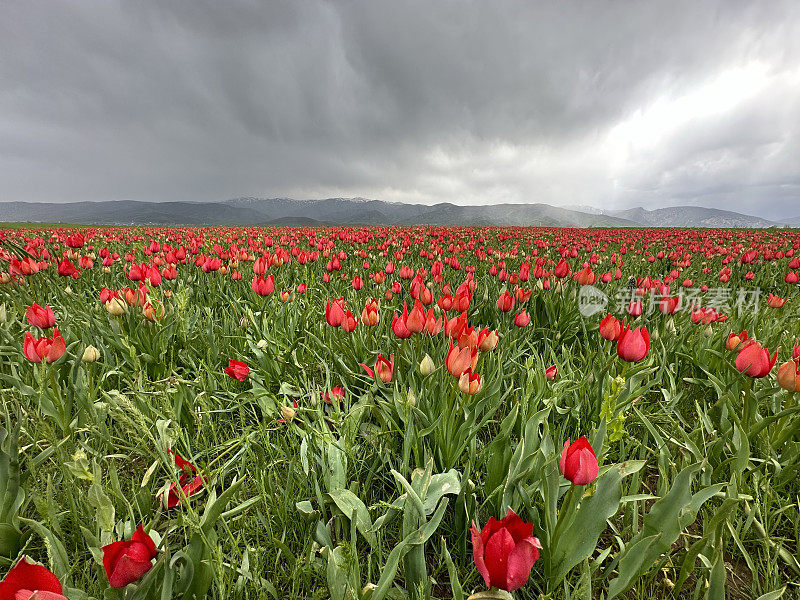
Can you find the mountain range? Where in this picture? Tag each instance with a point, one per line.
(361, 211)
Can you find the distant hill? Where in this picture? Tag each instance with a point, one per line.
(126, 212)
(362, 211)
(690, 216)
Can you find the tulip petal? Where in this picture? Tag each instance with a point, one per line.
(27, 575)
(478, 553)
(496, 553)
(520, 563)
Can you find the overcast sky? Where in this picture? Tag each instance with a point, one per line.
(611, 104)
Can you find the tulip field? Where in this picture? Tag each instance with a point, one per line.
(370, 413)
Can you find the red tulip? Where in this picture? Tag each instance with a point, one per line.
(188, 484)
(522, 319)
(237, 369)
(505, 551)
(369, 316)
(76, 240)
(586, 276)
(635, 308)
(126, 562)
(468, 338)
(487, 340)
(263, 287)
(775, 301)
(415, 320)
(754, 360)
(399, 327)
(789, 375)
(44, 349)
(349, 322)
(43, 318)
(336, 393)
(334, 312)
(562, 269)
(67, 269)
(578, 462)
(460, 359)
(551, 372)
(505, 302)
(469, 382)
(669, 305)
(383, 368)
(29, 581)
(633, 344)
(610, 328)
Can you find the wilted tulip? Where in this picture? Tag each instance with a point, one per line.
(578, 462)
(189, 483)
(633, 344)
(754, 360)
(288, 412)
(126, 562)
(237, 369)
(44, 349)
(28, 581)
(505, 551)
(43, 318)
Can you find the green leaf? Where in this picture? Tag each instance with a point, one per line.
(579, 540)
(348, 502)
(660, 528)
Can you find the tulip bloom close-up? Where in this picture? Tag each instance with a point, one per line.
(44, 349)
(127, 561)
(505, 551)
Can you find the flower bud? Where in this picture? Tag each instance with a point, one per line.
(90, 355)
(427, 366)
(115, 307)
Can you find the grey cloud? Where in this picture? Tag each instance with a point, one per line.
(470, 102)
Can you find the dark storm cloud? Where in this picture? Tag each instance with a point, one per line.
(613, 104)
